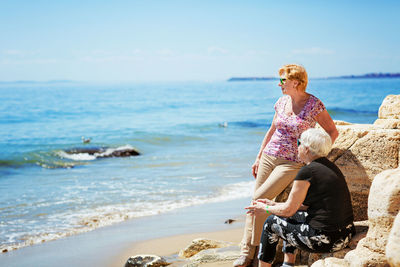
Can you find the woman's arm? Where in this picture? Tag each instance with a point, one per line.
(285, 209)
(326, 122)
(267, 137)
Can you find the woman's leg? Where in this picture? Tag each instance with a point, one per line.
(267, 165)
(269, 240)
(274, 228)
(288, 249)
(281, 176)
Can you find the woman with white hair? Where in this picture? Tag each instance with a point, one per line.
(318, 216)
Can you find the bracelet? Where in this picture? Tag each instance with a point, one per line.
(267, 209)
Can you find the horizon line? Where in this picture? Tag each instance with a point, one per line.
(366, 75)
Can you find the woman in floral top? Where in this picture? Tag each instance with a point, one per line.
(277, 163)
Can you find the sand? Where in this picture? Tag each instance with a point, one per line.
(170, 246)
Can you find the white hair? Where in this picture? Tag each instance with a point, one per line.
(317, 140)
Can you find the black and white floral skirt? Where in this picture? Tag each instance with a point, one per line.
(297, 234)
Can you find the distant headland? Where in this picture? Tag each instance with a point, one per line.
(368, 75)
(30, 82)
(364, 76)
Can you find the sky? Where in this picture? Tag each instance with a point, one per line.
(204, 40)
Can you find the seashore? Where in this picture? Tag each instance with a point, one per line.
(163, 234)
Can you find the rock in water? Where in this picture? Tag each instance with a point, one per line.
(104, 152)
(146, 261)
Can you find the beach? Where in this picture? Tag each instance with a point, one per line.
(162, 235)
(196, 142)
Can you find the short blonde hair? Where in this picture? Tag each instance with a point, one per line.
(295, 72)
(317, 140)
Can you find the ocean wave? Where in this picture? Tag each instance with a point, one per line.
(68, 158)
(77, 156)
(47, 162)
(90, 219)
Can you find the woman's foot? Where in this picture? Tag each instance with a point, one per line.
(242, 261)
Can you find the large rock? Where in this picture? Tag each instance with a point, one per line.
(389, 113)
(200, 244)
(393, 244)
(383, 206)
(146, 261)
(361, 152)
(390, 108)
(388, 123)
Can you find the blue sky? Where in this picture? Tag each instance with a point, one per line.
(204, 40)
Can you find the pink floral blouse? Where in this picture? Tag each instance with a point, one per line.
(283, 143)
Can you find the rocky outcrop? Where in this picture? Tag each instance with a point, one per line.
(200, 244)
(363, 150)
(393, 244)
(383, 206)
(390, 108)
(146, 261)
(389, 113)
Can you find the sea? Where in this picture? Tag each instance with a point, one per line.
(197, 142)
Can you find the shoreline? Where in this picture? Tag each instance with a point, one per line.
(108, 245)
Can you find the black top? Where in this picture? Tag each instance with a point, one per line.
(328, 196)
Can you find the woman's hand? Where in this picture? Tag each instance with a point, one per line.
(255, 167)
(256, 208)
(266, 201)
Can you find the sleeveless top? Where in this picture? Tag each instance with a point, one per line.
(283, 143)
